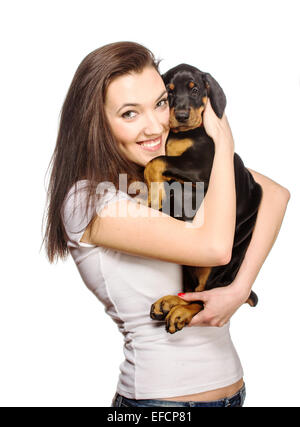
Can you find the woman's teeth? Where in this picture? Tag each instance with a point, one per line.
(153, 144)
(150, 144)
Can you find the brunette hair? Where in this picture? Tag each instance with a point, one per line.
(85, 147)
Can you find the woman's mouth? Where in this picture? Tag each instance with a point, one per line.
(151, 144)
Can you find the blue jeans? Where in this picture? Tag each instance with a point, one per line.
(236, 400)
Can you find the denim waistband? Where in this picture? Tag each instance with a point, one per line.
(236, 400)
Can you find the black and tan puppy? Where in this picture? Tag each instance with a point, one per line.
(189, 158)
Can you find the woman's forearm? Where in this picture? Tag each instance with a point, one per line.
(269, 219)
(220, 200)
(218, 210)
(217, 213)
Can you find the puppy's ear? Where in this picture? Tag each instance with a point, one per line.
(216, 95)
(165, 77)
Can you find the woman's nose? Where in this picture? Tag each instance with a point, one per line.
(152, 125)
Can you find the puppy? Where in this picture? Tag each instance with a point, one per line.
(189, 158)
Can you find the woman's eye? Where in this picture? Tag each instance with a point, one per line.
(162, 102)
(129, 114)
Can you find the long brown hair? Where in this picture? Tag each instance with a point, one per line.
(85, 146)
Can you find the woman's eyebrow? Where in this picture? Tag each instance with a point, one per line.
(131, 104)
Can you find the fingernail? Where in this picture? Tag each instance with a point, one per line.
(181, 294)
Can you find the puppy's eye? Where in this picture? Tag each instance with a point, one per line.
(194, 90)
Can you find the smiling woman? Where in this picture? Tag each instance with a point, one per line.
(86, 147)
(114, 120)
(141, 126)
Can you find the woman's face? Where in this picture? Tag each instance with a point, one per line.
(137, 109)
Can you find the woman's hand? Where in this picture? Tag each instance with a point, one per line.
(218, 129)
(219, 305)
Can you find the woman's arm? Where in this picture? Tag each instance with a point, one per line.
(221, 303)
(146, 232)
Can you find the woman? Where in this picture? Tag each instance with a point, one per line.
(115, 119)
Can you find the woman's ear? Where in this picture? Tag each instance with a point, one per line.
(216, 95)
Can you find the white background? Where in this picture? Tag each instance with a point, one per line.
(58, 347)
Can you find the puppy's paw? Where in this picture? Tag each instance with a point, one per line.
(161, 307)
(156, 195)
(179, 316)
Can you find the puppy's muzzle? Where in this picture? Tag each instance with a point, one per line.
(182, 115)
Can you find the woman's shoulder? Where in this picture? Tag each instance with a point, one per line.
(79, 186)
(75, 211)
(77, 200)
(79, 208)
(105, 190)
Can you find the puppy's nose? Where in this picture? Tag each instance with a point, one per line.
(182, 115)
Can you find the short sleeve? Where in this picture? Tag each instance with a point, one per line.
(74, 215)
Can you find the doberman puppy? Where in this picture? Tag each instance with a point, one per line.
(189, 158)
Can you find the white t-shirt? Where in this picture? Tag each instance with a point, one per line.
(157, 364)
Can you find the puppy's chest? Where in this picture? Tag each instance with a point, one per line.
(195, 152)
